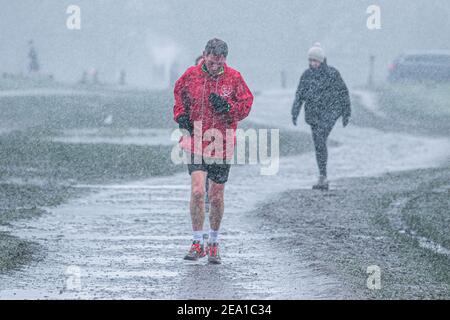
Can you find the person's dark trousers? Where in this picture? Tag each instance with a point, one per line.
(320, 135)
(207, 193)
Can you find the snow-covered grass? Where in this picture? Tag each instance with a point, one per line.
(19, 82)
(99, 109)
(28, 154)
(432, 100)
(418, 109)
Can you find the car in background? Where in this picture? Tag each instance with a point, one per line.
(420, 66)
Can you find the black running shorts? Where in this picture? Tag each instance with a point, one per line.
(217, 172)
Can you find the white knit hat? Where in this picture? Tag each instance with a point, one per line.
(316, 52)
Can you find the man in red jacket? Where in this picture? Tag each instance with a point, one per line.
(210, 99)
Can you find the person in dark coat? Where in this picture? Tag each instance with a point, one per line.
(326, 99)
(33, 66)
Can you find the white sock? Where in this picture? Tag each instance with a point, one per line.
(213, 236)
(198, 236)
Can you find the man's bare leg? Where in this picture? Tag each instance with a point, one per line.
(197, 208)
(216, 206)
(197, 204)
(216, 195)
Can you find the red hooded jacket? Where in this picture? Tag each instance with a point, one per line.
(192, 91)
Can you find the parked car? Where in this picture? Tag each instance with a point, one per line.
(417, 67)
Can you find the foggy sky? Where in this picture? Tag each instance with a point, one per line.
(264, 37)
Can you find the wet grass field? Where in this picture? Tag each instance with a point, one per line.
(37, 172)
(415, 109)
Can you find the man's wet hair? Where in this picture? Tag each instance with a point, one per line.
(217, 47)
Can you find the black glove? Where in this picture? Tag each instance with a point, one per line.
(220, 104)
(185, 123)
(295, 112)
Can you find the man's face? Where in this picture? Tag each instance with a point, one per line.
(314, 64)
(213, 63)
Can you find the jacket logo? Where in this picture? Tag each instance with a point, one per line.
(226, 91)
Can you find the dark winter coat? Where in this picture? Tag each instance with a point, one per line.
(325, 95)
